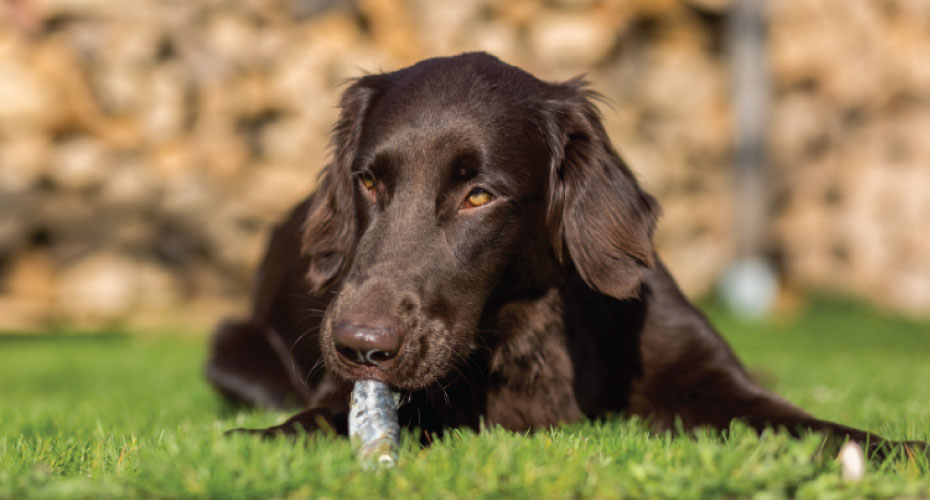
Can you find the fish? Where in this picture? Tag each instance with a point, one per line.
(373, 428)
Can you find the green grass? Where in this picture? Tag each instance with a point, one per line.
(132, 417)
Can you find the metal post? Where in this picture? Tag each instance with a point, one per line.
(750, 284)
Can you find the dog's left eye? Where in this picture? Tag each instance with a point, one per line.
(478, 197)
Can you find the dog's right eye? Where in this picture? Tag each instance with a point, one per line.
(367, 180)
(370, 183)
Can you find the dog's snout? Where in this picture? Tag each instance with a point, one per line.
(374, 343)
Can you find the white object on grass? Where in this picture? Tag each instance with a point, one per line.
(373, 427)
(852, 461)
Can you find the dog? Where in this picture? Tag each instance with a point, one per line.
(477, 243)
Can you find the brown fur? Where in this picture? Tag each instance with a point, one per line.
(547, 305)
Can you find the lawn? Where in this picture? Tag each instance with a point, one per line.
(122, 416)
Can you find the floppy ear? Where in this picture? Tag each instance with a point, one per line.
(597, 210)
(329, 232)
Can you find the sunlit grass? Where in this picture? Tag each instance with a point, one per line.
(132, 417)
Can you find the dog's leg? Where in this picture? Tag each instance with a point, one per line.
(327, 410)
(688, 372)
(245, 368)
(768, 410)
(713, 393)
(307, 421)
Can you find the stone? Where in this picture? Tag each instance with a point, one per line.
(23, 158)
(74, 7)
(271, 191)
(99, 289)
(163, 112)
(29, 99)
(79, 164)
(571, 39)
(131, 183)
(158, 288)
(32, 277)
(22, 316)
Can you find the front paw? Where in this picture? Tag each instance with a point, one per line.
(305, 422)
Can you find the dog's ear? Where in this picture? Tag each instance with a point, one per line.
(597, 210)
(329, 234)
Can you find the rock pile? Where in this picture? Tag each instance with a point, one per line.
(851, 146)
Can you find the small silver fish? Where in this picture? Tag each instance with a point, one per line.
(373, 427)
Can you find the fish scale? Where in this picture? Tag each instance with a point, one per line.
(373, 427)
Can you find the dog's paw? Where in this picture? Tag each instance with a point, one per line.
(305, 422)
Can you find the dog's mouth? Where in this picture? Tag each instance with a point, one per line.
(364, 367)
(391, 377)
(372, 332)
(356, 373)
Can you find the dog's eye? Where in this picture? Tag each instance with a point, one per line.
(367, 180)
(478, 197)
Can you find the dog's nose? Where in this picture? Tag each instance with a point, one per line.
(368, 343)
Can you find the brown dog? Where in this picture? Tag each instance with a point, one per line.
(477, 243)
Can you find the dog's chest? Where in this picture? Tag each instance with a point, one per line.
(531, 375)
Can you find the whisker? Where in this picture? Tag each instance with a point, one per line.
(305, 380)
(318, 364)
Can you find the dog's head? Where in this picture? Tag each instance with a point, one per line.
(455, 184)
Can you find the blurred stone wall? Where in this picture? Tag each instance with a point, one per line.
(851, 144)
(146, 146)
